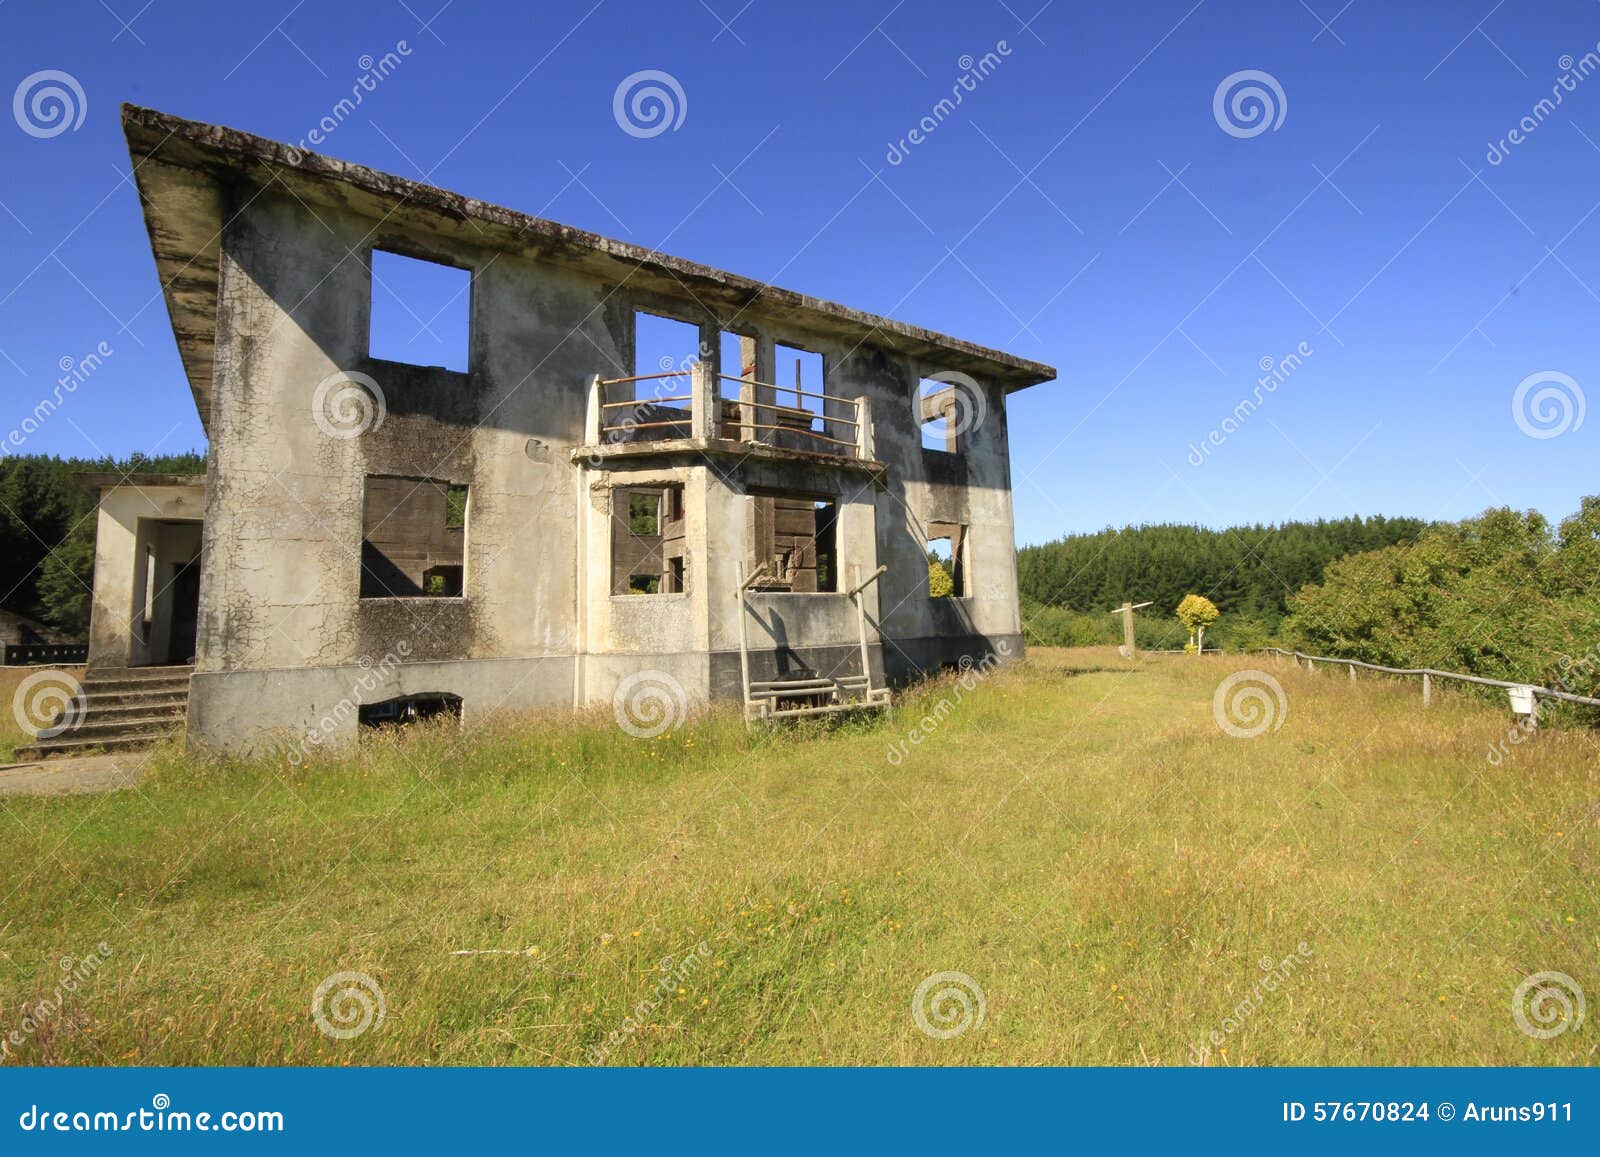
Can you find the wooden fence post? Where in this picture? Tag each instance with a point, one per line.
(1427, 690)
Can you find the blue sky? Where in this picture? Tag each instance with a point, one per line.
(1083, 206)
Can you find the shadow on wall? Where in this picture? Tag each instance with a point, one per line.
(330, 296)
(788, 660)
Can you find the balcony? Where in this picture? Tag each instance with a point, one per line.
(698, 410)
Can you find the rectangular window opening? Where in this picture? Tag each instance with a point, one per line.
(800, 412)
(947, 567)
(421, 312)
(798, 376)
(661, 346)
(794, 543)
(664, 345)
(936, 409)
(738, 357)
(644, 513)
(455, 507)
(409, 709)
(648, 543)
(413, 538)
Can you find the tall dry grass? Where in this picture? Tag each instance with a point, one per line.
(1078, 837)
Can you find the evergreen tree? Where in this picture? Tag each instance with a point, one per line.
(47, 525)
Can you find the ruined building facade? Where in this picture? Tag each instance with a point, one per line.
(558, 515)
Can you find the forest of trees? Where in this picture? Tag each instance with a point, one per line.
(1504, 595)
(1069, 586)
(47, 532)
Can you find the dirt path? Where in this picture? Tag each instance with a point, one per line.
(64, 776)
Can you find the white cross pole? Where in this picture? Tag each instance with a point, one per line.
(1126, 611)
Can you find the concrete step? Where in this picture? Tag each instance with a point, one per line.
(155, 697)
(95, 727)
(185, 670)
(65, 746)
(167, 706)
(127, 708)
(122, 684)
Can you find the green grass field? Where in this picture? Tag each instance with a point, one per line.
(1076, 836)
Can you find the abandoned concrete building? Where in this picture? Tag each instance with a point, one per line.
(540, 525)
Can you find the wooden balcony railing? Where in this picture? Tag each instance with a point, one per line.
(760, 414)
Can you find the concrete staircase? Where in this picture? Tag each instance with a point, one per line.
(128, 708)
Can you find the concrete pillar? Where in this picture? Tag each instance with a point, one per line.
(593, 416)
(704, 402)
(864, 443)
(759, 351)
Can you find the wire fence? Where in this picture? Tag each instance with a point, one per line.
(1520, 693)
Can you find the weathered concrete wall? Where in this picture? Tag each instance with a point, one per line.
(285, 489)
(971, 489)
(537, 623)
(130, 519)
(254, 710)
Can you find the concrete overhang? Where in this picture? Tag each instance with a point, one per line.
(97, 481)
(192, 177)
(606, 454)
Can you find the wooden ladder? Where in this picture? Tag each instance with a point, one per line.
(770, 700)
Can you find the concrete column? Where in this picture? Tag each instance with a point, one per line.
(704, 402)
(763, 395)
(593, 418)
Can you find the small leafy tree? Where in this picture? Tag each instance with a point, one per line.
(1196, 613)
(940, 584)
